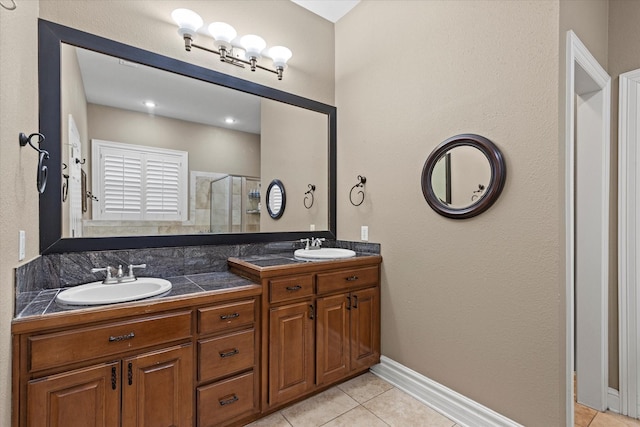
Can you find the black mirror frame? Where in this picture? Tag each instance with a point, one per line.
(50, 37)
(493, 190)
(280, 185)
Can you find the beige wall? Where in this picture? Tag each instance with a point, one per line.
(18, 198)
(473, 304)
(210, 148)
(73, 101)
(294, 150)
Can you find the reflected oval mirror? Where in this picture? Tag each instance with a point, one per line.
(463, 176)
(276, 199)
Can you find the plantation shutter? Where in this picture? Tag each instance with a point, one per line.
(139, 182)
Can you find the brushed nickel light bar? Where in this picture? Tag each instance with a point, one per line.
(249, 51)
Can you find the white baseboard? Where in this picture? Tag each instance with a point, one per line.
(613, 400)
(449, 403)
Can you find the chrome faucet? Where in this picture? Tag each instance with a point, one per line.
(120, 277)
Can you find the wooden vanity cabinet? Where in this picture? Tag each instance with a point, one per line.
(183, 362)
(321, 324)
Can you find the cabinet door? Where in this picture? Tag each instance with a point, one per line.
(332, 338)
(80, 398)
(291, 351)
(157, 388)
(365, 328)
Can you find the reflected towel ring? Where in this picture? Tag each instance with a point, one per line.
(361, 181)
(307, 204)
(41, 175)
(12, 7)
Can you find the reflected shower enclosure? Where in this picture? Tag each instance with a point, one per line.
(235, 205)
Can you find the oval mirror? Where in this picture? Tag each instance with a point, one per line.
(463, 176)
(276, 199)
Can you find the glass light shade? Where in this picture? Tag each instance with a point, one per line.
(222, 32)
(254, 45)
(280, 55)
(188, 21)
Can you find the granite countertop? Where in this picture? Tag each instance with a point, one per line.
(43, 302)
(287, 258)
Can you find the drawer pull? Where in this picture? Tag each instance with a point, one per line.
(355, 301)
(351, 278)
(229, 316)
(130, 373)
(230, 353)
(294, 288)
(224, 401)
(119, 338)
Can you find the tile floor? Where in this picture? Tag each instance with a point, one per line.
(365, 401)
(368, 401)
(587, 417)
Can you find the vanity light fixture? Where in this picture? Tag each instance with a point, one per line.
(246, 51)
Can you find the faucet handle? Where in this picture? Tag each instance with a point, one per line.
(132, 266)
(107, 269)
(306, 241)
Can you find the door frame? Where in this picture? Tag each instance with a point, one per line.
(579, 64)
(628, 241)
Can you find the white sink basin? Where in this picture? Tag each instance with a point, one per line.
(96, 293)
(323, 254)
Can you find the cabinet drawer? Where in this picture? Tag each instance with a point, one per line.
(227, 316)
(347, 279)
(61, 348)
(225, 355)
(290, 288)
(225, 400)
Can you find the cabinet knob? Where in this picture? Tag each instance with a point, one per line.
(294, 288)
(352, 278)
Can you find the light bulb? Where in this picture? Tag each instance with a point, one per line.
(254, 45)
(222, 32)
(188, 21)
(280, 56)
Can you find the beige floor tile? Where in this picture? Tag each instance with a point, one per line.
(609, 419)
(357, 417)
(397, 408)
(319, 409)
(274, 420)
(365, 387)
(583, 415)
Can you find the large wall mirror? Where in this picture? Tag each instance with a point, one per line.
(188, 170)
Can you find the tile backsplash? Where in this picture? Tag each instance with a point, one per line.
(69, 269)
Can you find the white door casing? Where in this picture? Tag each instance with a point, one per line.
(587, 126)
(628, 239)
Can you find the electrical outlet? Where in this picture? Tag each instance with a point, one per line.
(21, 245)
(364, 233)
(312, 227)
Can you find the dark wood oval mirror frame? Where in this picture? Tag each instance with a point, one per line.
(272, 213)
(493, 190)
(50, 38)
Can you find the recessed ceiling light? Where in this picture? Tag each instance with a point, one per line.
(149, 104)
(229, 120)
